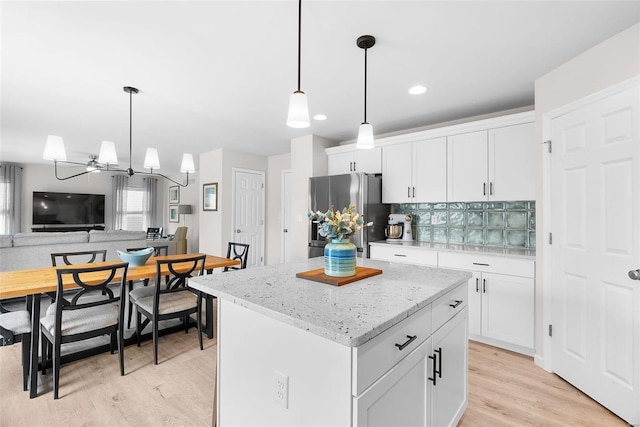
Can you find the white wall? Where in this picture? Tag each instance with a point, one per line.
(308, 159)
(275, 166)
(216, 166)
(612, 61)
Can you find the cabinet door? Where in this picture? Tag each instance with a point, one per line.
(475, 304)
(467, 167)
(507, 308)
(450, 346)
(396, 172)
(341, 163)
(511, 163)
(402, 397)
(368, 161)
(430, 171)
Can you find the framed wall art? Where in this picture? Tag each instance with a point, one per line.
(174, 214)
(210, 197)
(174, 195)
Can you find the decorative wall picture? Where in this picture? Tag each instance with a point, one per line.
(174, 195)
(210, 197)
(174, 214)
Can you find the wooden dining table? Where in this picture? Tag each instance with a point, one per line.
(34, 282)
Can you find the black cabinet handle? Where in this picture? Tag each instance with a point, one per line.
(484, 286)
(484, 188)
(457, 303)
(408, 192)
(439, 371)
(403, 255)
(407, 342)
(414, 192)
(477, 280)
(491, 188)
(434, 370)
(354, 166)
(481, 263)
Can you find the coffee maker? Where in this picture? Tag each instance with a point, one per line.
(398, 228)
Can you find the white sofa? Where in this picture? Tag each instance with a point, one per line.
(33, 250)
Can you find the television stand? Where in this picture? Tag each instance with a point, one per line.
(65, 229)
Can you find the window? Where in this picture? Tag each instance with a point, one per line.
(132, 218)
(4, 207)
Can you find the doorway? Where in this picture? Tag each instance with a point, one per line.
(286, 216)
(594, 177)
(248, 213)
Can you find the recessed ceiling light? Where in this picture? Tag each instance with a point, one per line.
(417, 90)
(320, 117)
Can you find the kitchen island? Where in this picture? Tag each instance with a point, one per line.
(387, 350)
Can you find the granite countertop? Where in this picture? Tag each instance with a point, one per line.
(476, 249)
(351, 314)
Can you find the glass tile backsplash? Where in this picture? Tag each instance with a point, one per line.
(505, 224)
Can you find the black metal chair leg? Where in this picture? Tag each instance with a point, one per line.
(129, 303)
(45, 356)
(56, 370)
(199, 320)
(121, 347)
(155, 341)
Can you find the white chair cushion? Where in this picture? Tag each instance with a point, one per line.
(82, 320)
(18, 322)
(142, 292)
(170, 302)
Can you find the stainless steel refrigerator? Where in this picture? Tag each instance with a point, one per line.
(339, 191)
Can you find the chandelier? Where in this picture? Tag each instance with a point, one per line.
(54, 150)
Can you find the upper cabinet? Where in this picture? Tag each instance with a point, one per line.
(415, 172)
(350, 159)
(494, 164)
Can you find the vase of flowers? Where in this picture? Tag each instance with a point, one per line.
(337, 226)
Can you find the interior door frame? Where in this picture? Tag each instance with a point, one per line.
(545, 359)
(233, 206)
(283, 176)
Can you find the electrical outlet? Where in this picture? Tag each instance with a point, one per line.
(281, 392)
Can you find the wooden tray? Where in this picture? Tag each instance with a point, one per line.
(319, 276)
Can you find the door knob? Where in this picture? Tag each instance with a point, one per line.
(238, 231)
(634, 274)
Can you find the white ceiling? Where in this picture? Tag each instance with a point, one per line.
(218, 74)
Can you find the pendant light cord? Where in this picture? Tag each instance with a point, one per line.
(365, 85)
(299, 38)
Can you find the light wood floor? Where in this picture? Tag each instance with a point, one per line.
(506, 389)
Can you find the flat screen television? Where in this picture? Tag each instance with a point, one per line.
(67, 208)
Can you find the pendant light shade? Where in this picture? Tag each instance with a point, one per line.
(365, 133)
(365, 136)
(187, 165)
(108, 153)
(298, 116)
(54, 149)
(151, 159)
(298, 110)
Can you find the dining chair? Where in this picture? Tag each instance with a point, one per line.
(145, 291)
(79, 257)
(17, 324)
(175, 300)
(92, 312)
(239, 251)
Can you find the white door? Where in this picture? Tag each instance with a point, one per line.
(396, 170)
(595, 219)
(467, 167)
(248, 226)
(430, 170)
(286, 216)
(402, 397)
(511, 169)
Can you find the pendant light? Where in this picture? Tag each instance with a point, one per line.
(298, 116)
(365, 133)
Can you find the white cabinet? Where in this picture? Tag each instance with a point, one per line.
(501, 299)
(494, 164)
(402, 396)
(404, 254)
(415, 172)
(350, 160)
(450, 348)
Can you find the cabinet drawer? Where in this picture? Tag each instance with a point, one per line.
(448, 305)
(375, 357)
(487, 263)
(404, 254)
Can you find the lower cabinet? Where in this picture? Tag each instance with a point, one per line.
(426, 388)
